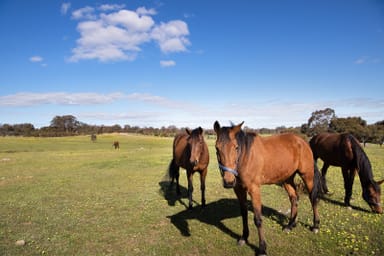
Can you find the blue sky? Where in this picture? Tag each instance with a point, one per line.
(189, 63)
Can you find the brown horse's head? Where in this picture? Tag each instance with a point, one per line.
(372, 196)
(227, 152)
(196, 144)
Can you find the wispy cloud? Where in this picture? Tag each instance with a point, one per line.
(167, 63)
(366, 60)
(112, 33)
(57, 98)
(159, 111)
(64, 98)
(65, 8)
(36, 58)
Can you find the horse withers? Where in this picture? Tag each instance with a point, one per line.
(343, 150)
(191, 153)
(247, 161)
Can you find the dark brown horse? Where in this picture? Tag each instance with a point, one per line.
(116, 144)
(247, 161)
(345, 151)
(191, 153)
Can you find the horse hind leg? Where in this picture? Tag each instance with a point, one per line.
(314, 187)
(324, 170)
(290, 187)
(349, 176)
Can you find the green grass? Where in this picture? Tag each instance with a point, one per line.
(69, 196)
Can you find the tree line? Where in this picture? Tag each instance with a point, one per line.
(320, 121)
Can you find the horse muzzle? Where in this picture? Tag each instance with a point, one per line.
(229, 176)
(194, 163)
(230, 184)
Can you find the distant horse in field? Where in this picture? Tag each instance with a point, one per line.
(191, 153)
(93, 137)
(345, 151)
(247, 161)
(116, 144)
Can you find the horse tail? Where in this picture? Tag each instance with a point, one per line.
(361, 160)
(317, 189)
(173, 170)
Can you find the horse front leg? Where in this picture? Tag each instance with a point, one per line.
(241, 195)
(190, 188)
(257, 210)
(203, 174)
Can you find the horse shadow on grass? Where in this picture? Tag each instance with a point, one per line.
(214, 213)
(326, 198)
(169, 194)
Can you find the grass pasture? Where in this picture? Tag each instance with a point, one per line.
(69, 196)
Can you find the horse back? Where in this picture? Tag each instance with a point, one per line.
(333, 148)
(283, 155)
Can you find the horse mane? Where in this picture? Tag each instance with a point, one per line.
(362, 161)
(245, 140)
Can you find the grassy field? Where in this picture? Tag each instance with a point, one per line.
(69, 196)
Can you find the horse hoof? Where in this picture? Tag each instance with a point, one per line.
(241, 242)
(315, 230)
(287, 229)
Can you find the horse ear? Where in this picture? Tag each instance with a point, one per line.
(237, 128)
(216, 126)
(200, 130)
(188, 131)
(379, 182)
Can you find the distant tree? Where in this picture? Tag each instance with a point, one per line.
(319, 121)
(354, 125)
(65, 125)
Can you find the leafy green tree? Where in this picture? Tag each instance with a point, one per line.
(67, 124)
(354, 125)
(319, 121)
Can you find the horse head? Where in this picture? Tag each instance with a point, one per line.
(227, 152)
(196, 144)
(372, 196)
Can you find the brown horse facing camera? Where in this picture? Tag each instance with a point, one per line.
(247, 161)
(191, 153)
(345, 151)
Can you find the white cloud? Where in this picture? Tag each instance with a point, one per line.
(130, 20)
(171, 36)
(84, 13)
(167, 63)
(119, 34)
(111, 7)
(145, 11)
(36, 59)
(65, 7)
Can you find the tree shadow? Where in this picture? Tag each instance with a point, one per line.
(214, 213)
